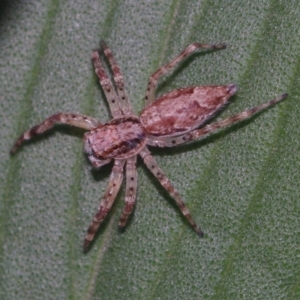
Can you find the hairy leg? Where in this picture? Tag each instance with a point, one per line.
(150, 93)
(119, 81)
(131, 187)
(165, 182)
(199, 133)
(76, 120)
(107, 201)
(108, 89)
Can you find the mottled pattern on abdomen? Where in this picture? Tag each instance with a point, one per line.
(184, 109)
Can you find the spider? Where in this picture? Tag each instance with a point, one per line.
(175, 118)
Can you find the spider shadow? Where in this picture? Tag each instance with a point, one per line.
(193, 145)
(168, 79)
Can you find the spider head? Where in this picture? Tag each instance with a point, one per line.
(121, 138)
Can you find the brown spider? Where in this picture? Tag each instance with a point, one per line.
(168, 121)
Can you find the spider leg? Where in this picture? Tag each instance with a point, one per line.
(150, 93)
(107, 201)
(165, 182)
(76, 120)
(198, 133)
(119, 81)
(108, 89)
(131, 187)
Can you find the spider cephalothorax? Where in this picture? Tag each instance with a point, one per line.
(174, 118)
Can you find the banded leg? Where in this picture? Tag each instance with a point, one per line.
(107, 201)
(119, 81)
(76, 120)
(165, 182)
(198, 133)
(150, 93)
(131, 187)
(108, 89)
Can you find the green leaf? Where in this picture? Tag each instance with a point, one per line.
(241, 184)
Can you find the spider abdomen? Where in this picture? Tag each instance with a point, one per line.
(120, 138)
(183, 110)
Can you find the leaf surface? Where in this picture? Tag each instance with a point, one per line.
(241, 184)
